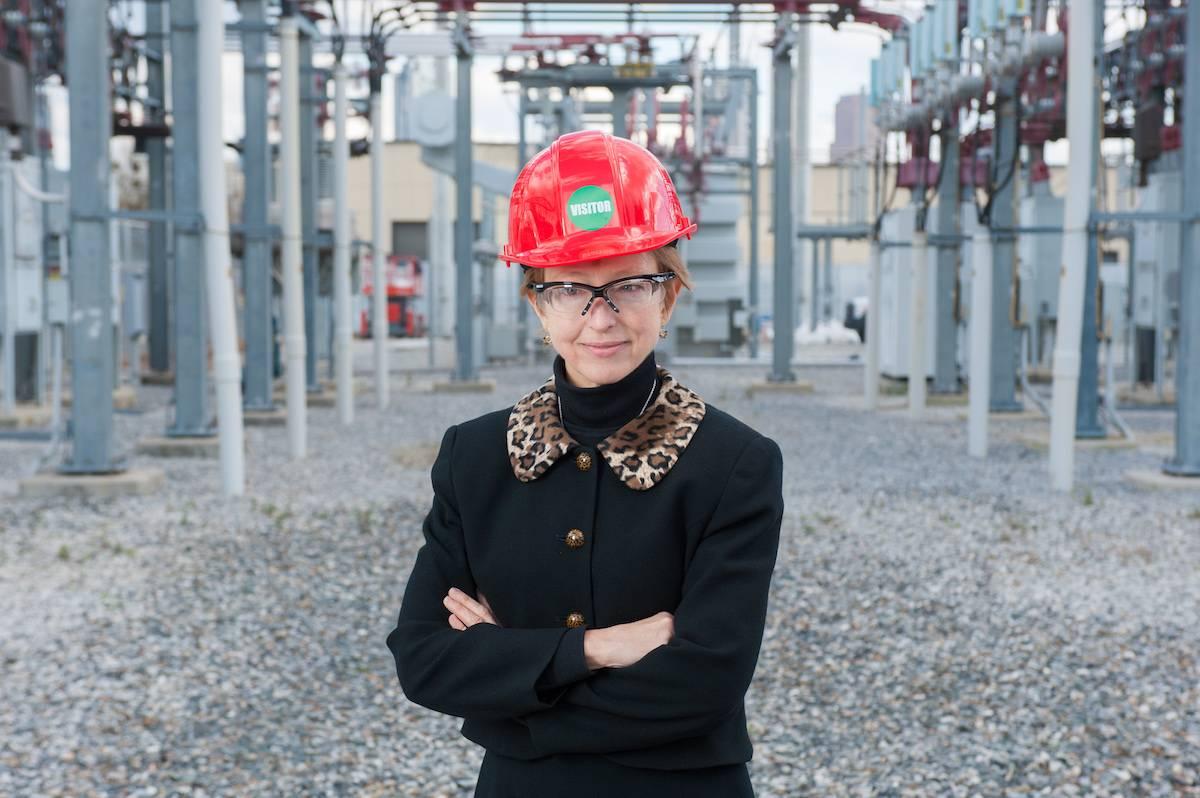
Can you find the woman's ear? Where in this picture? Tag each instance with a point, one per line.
(672, 294)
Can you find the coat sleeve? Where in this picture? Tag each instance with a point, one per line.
(484, 671)
(691, 685)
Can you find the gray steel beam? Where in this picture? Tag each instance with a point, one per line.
(193, 417)
(308, 204)
(92, 353)
(1004, 337)
(159, 342)
(827, 289)
(620, 109)
(781, 122)
(1186, 461)
(755, 311)
(1087, 396)
(522, 158)
(465, 368)
(814, 300)
(257, 284)
(945, 356)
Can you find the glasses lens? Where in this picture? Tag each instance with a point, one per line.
(565, 299)
(634, 294)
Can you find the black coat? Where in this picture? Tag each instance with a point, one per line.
(679, 510)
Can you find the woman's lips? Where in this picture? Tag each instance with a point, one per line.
(604, 350)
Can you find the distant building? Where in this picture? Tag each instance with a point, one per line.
(854, 127)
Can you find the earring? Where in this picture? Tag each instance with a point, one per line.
(662, 333)
(546, 340)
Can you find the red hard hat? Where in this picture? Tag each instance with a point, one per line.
(588, 196)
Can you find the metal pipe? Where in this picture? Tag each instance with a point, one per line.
(464, 322)
(227, 365)
(156, 152)
(293, 278)
(784, 304)
(1081, 121)
(344, 354)
(918, 326)
(1186, 461)
(980, 330)
(755, 314)
(874, 294)
(9, 272)
(379, 259)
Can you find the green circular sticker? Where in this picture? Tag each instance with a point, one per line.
(590, 208)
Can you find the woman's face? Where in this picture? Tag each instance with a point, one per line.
(604, 346)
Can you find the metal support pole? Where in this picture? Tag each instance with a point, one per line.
(827, 288)
(257, 282)
(308, 205)
(156, 153)
(1186, 461)
(8, 285)
(344, 341)
(465, 370)
(802, 177)
(91, 275)
(755, 300)
(979, 381)
(379, 254)
(523, 332)
(1081, 122)
(290, 245)
(874, 293)
(1004, 337)
(783, 223)
(227, 366)
(919, 325)
(814, 299)
(620, 108)
(945, 363)
(193, 416)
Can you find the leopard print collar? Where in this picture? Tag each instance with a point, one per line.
(639, 453)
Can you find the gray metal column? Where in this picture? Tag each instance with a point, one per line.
(257, 284)
(1087, 397)
(781, 137)
(308, 203)
(1004, 253)
(620, 108)
(827, 288)
(945, 356)
(465, 368)
(755, 310)
(522, 157)
(814, 299)
(156, 153)
(193, 417)
(1187, 370)
(91, 271)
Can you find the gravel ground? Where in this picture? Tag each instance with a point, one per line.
(938, 625)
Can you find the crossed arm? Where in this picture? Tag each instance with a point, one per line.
(658, 680)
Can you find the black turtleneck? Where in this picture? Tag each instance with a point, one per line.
(592, 414)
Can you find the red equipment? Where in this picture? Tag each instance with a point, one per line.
(404, 285)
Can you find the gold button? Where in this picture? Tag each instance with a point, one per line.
(574, 620)
(583, 461)
(575, 538)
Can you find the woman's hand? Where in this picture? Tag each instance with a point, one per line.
(466, 611)
(624, 644)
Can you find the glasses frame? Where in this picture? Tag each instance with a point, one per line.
(602, 291)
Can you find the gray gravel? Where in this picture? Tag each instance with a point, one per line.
(938, 626)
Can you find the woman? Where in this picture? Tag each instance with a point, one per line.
(592, 590)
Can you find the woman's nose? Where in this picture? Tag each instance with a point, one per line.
(601, 313)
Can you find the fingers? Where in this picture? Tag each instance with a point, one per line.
(457, 624)
(468, 611)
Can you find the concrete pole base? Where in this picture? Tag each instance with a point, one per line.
(124, 398)
(27, 416)
(265, 418)
(158, 378)
(1041, 442)
(136, 482)
(1145, 478)
(470, 386)
(767, 387)
(179, 447)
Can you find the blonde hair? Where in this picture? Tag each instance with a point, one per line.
(666, 259)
